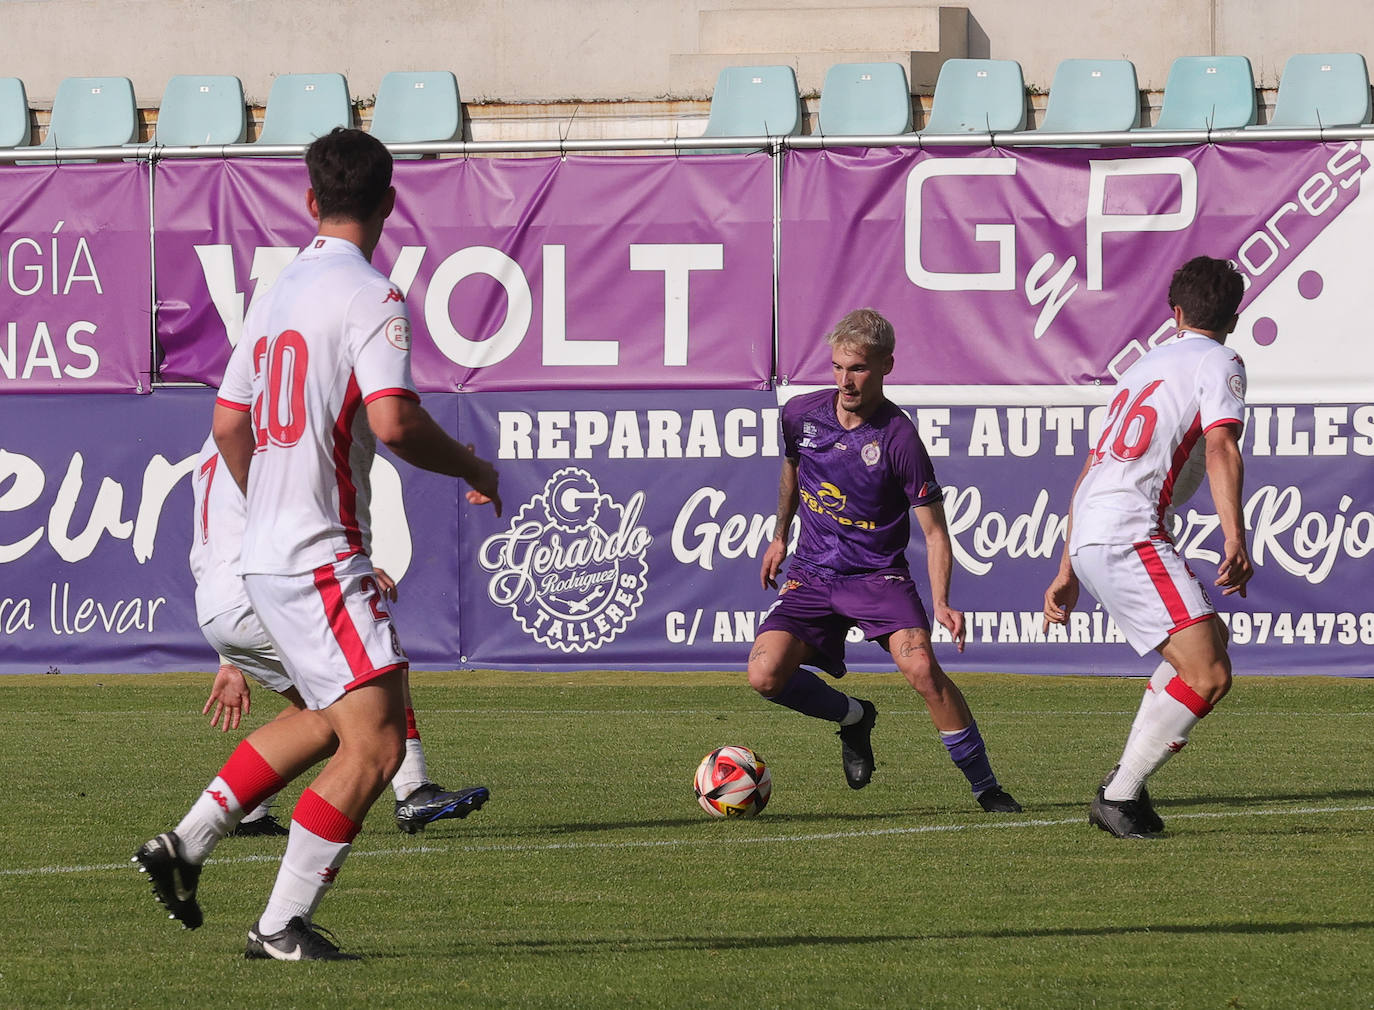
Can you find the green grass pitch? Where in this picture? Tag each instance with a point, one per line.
(592, 879)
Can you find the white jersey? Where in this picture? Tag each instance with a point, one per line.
(329, 337)
(1164, 405)
(216, 535)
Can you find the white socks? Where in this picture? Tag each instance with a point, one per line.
(307, 871)
(1166, 718)
(413, 773)
(214, 814)
(855, 713)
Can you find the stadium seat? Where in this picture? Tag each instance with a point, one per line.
(201, 109)
(301, 107)
(14, 113)
(1092, 96)
(754, 102)
(1208, 93)
(978, 96)
(92, 112)
(417, 106)
(1322, 89)
(865, 99)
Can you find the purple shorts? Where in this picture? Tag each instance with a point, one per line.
(819, 608)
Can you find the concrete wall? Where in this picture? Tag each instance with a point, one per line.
(606, 50)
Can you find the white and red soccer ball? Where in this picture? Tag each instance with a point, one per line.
(733, 782)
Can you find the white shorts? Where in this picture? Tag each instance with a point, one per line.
(331, 627)
(238, 636)
(1146, 587)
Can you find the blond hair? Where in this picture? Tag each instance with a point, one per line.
(865, 331)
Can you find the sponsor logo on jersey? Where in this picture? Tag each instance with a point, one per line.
(319, 243)
(393, 295)
(829, 500)
(573, 565)
(871, 453)
(397, 332)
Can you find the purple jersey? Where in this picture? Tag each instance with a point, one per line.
(857, 487)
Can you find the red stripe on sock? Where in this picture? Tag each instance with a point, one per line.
(250, 777)
(1186, 696)
(320, 817)
(412, 731)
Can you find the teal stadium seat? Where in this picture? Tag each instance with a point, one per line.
(201, 109)
(865, 99)
(416, 106)
(978, 96)
(1092, 96)
(92, 112)
(1322, 89)
(301, 107)
(1208, 93)
(14, 113)
(754, 102)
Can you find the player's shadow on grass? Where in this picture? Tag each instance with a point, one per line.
(1327, 796)
(755, 941)
(903, 818)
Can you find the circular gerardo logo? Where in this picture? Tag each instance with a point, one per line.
(572, 566)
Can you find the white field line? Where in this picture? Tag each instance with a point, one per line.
(668, 843)
(422, 712)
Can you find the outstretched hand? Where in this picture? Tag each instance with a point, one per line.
(953, 621)
(1060, 599)
(1235, 569)
(230, 696)
(484, 482)
(773, 558)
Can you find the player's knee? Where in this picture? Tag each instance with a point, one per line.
(766, 678)
(921, 671)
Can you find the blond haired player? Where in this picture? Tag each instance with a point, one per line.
(1185, 396)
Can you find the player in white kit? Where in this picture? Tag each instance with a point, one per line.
(233, 630)
(321, 371)
(1184, 397)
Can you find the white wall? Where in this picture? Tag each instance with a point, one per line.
(557, 50)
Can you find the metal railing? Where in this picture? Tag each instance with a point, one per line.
(1144, 137)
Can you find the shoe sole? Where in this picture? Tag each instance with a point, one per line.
(459, 810)
(159, 873)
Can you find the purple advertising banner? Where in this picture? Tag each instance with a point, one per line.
(76, 279)
(634, 527)
(95, 533)
(1051, 267)
(579, 272)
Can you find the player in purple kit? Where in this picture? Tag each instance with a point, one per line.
(856, 468)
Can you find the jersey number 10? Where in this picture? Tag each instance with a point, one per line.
(279, 413)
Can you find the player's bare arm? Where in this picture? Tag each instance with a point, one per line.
(408, 430)
(776, 552)
(233, 430)
(1062, 595)
(1226, 477)
(940, 565)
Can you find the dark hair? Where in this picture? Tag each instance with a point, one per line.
(1208, 291)
(864, 330)
(350, 172)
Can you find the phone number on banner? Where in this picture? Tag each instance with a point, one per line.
(1259, 627)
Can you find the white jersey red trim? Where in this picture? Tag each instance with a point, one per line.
(330, 336)
(1149, 456)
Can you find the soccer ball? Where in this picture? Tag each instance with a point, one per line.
(733, 782)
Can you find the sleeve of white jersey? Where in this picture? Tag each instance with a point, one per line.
(379, 322)
(236, 389)
(1221, 389)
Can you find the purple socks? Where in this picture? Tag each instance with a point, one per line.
(967, 750)
(808, 694)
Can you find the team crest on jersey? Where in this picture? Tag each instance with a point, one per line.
(871, 453)
(398, 332)
(1237, 383)
(790, 585)
(573, 565)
